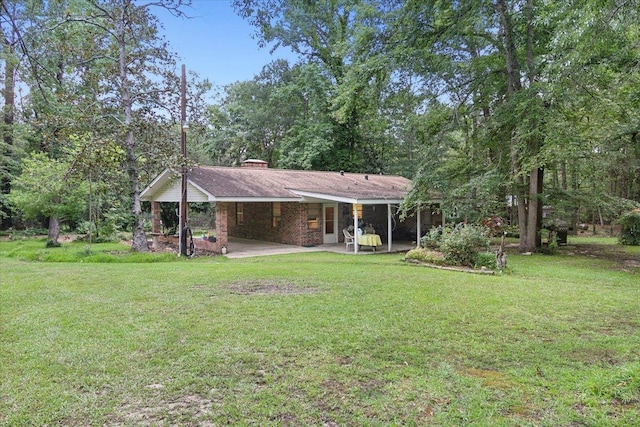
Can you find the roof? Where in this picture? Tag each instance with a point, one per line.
(261, 184)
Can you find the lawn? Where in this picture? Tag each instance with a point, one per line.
(100, 337)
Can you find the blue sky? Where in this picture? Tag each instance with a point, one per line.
(216, 43)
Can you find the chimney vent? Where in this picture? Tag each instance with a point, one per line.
(255, 163)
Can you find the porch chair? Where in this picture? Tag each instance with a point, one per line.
(348, 239)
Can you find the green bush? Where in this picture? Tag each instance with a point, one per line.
(630, 228)
(425, 255)
(485, 259)
(433, 238)
(462, 243)
(551, 248)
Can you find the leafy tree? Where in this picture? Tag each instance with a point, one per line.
(132, 73)
(630, 224)
(340, 37)
(251, 121)
(46, 188)
(501, 68)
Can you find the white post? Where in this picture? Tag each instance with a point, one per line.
(419, 231)
(389, 230)
(355, 228)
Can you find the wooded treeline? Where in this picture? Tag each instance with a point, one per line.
(501, 106)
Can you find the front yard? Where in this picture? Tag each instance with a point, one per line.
(317, 339)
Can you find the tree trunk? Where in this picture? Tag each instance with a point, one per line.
(512, 64)
(540, 208)
(7, 133)
(54, 232)
(522, 221)
(575, 214)
(532, 212)
(636, 139)
(139, 241)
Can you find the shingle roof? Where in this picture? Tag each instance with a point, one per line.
(264, 184)
(233, 182)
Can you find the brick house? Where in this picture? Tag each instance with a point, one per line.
(295, 207)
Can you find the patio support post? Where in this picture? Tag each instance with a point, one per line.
(155, 218)
(419, 231)
(389, 229)
(222, 230)
(355, 227)
(156, 223)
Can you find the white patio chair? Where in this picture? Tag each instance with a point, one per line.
(348, 239)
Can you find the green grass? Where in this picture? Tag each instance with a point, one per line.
(315, 339)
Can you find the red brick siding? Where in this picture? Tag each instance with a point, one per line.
(258, 224)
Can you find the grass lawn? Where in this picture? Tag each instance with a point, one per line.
(101, 337)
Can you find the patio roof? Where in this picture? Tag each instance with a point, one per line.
(242, 184)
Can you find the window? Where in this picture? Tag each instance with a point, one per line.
(313, 215)
(356, 209)
(239, 213)
(276, 213)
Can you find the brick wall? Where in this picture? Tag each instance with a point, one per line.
(258, 224)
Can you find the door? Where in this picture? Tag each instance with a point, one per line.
(329, 223)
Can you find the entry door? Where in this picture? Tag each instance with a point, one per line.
(330, 223)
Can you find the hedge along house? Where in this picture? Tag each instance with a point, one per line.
(294, 207)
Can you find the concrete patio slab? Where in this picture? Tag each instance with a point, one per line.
(243, 248)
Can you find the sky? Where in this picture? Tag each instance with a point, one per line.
(216, 43)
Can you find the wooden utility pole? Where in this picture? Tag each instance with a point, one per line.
(183, 149)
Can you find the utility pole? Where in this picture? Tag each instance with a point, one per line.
(183, 150)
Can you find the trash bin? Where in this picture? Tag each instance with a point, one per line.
(561, 236)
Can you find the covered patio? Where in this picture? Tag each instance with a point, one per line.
(244, 248)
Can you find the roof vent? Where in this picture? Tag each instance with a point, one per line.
(366, 177)
(255, 163)
(342, 173)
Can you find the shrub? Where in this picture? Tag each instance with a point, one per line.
(552, 247)
(425, 255)
(511, 231)
(432, 239)
(630, 228)
(485, 259)
(463, 242)
(85, 226)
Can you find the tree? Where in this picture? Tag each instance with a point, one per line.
(339, 36)
(9, 39)
(47, 188)
(251, 120)
(135, 73)
(513, 74)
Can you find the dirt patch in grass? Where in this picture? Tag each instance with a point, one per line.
(491, 379)
(269, 287)
(186, 410)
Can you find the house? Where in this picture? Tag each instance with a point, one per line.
(295, 207)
